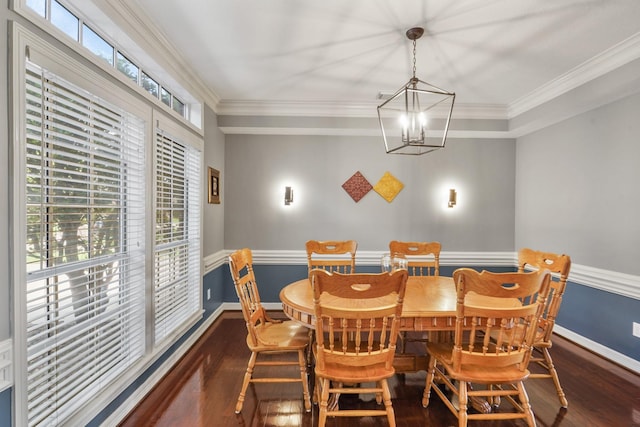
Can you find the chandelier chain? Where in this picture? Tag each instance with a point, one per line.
(414, 59)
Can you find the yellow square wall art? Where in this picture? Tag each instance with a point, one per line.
(388, 187)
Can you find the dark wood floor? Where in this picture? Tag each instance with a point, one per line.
(202, 391)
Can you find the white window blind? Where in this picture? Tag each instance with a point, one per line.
(85, 245)
(177, 239)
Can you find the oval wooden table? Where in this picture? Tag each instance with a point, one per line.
(429, 305)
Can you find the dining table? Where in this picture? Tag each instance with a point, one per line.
(429, 306)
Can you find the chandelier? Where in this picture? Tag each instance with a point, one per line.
(415, 119)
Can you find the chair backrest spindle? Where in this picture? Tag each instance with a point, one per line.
(502, 310)
(423, 257)
(332, 255)
(558, 264)
(357, 316)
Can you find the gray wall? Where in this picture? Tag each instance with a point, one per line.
(213, 215)
(577, 188)
(258, 168)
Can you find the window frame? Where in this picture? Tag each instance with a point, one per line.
(26, 43)
(193, 107)
(164, 125)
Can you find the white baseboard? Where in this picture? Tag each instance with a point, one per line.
(606, 352)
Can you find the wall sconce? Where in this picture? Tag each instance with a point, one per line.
(288, 195)
(452, 197)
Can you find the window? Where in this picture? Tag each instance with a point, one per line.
(127, 67)
(149, 84)
(71, 23)
(178, 106)
(39, 6)
(100, 292)
(97, 44)
(165, 96)
(85, 244)
(177, 234)
(64, 20)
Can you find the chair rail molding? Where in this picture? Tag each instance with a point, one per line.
(299, 257)
(6, 364)
(215, 260)
(614, 282)
(623, 284)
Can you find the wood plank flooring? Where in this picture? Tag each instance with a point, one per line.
(203, 387)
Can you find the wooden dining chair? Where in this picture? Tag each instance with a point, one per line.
(423, 259)
(496, 318)
(275, 338)
(357, 322)
(559, 264)
(332, 255)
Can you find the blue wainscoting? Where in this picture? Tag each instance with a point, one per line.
(216, 284)
(272, 278)
(603, 317)
(5, 408)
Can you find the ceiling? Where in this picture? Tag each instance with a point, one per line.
(331, 52)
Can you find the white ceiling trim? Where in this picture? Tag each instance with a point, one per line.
(607, 61)
(375, 132)
(334, 109)
(613, 58)
(600, 65)
(136, 23)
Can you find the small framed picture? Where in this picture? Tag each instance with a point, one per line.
(214, 186)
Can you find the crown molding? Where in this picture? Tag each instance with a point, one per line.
(373, 132)
(258, 130)
(601, 64)
(133, 20)
(362, 109)
(262, 130)
(617, 56)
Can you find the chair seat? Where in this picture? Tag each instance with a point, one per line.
(286, 335)
(355, 345)
(475, 374)
(346, 373)
(540, 341)
(351, 374)
(266, 335)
